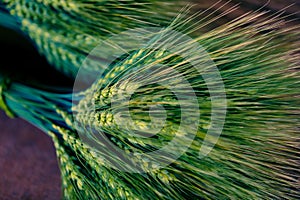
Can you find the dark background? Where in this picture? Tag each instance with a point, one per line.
(28, 164)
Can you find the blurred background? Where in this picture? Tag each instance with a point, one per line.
(28, 164)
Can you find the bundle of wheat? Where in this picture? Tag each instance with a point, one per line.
(108, 135)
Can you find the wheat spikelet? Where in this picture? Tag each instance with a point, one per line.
(66, 31)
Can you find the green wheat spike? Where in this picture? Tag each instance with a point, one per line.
(66, 31)
(255, 157)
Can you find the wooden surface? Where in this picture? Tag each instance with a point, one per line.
(28, 165)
